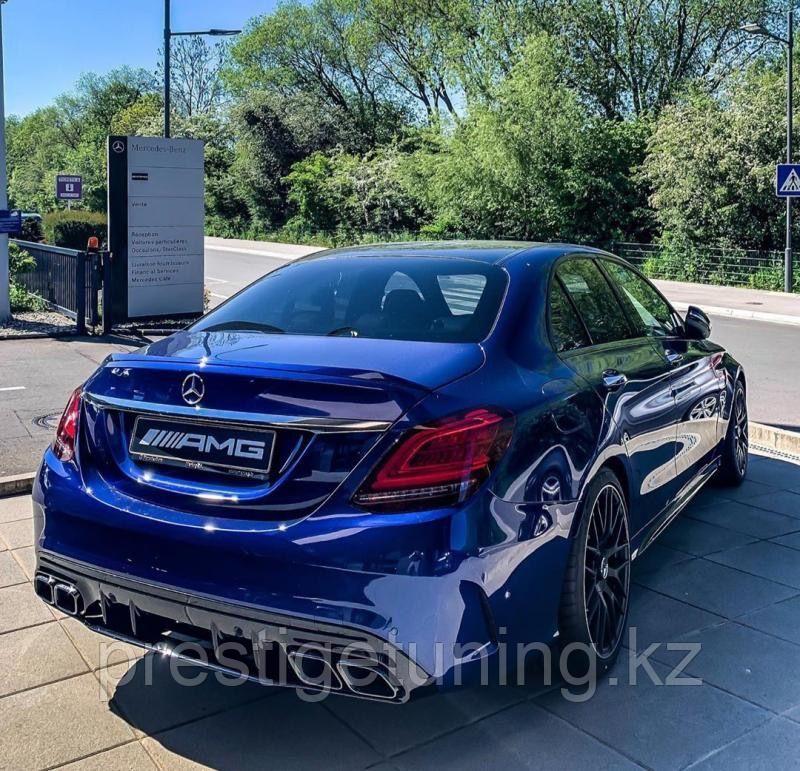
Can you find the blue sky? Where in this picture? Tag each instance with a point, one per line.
(50, 43)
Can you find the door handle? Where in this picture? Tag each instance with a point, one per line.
(673, 357)
(612, 379)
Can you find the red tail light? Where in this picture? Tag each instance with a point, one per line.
(67, 431)
(438, 464)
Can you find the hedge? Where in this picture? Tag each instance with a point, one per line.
(72, 229)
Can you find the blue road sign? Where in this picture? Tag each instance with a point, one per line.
(69, 186)
(787, 180)
(10, 221)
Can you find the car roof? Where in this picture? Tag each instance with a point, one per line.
(486, 251)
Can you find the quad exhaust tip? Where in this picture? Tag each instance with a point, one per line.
(368, 678)
(314, 669)
(43, 586)
(363, 677)
(65, 596)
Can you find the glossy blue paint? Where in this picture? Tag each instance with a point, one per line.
(488, 570)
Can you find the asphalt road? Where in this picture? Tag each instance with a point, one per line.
(227, 272)
(769, 352)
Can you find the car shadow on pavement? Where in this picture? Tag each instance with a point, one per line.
(708, 672)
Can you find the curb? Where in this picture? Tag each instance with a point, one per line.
(737, 313)
(776, 439)
(17, 484)
(40, 335)
(265, 252)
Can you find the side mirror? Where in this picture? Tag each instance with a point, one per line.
(698, 325)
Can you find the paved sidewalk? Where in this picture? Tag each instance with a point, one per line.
(726, 575)
(735, 302)
(36, 377)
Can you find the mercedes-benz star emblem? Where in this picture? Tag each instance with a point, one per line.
(118, 146)
(193, 389)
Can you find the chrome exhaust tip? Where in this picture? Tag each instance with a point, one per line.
(314, 670)
(43, 586)
(67, 598)
(368, 678)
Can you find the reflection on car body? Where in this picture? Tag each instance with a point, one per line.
(375, 467)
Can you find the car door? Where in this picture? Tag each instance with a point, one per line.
(697, 376)
(632, 377)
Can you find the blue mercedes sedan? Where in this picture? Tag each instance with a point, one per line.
(386, 469)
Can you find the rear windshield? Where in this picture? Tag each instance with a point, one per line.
(392, 298)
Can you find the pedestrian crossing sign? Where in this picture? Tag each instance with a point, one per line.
(787, 180)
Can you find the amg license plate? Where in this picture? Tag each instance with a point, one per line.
(233, 449)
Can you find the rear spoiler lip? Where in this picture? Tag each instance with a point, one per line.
(315, 425)
(364, 378)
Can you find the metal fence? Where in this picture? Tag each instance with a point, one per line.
(67, 279)
(709, 265)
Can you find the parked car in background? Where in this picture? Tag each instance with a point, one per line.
(376, 468)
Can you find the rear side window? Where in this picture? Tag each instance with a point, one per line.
(598, 307)
(566, 329)
(462, 292)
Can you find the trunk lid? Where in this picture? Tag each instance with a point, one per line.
(320, 405)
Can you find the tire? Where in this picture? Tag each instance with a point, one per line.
(735, 446)
(597, 580)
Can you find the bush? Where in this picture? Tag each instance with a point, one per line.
(20, 261)
(72, 229)
(344, 197)
(32, 230)
(23, 300)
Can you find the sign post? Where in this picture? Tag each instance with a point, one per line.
(156, 217)
(5, 278)
(69, 187)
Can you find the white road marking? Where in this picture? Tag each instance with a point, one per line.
(219, 296)
(217, 280)
(255, 252)
(13, 388)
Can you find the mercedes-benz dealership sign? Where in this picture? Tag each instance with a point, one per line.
(155, 226)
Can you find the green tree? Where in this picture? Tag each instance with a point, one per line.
(638, 55)
(324, 51)
(711, 164)
(347, 196)
(70, 137)
(533, 164)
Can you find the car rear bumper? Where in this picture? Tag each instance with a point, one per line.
(241, 641)
(421, 589)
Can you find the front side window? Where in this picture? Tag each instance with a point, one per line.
(428, 299)
(592, 295)
(650, 312)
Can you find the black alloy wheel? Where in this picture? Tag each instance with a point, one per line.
(736, 447)
(597, 582)
(607, 571)
(741, 434)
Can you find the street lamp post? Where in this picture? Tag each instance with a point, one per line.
(168, 35)
(5, 288)
(788, 278)
(167, 40)
(788, 42)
